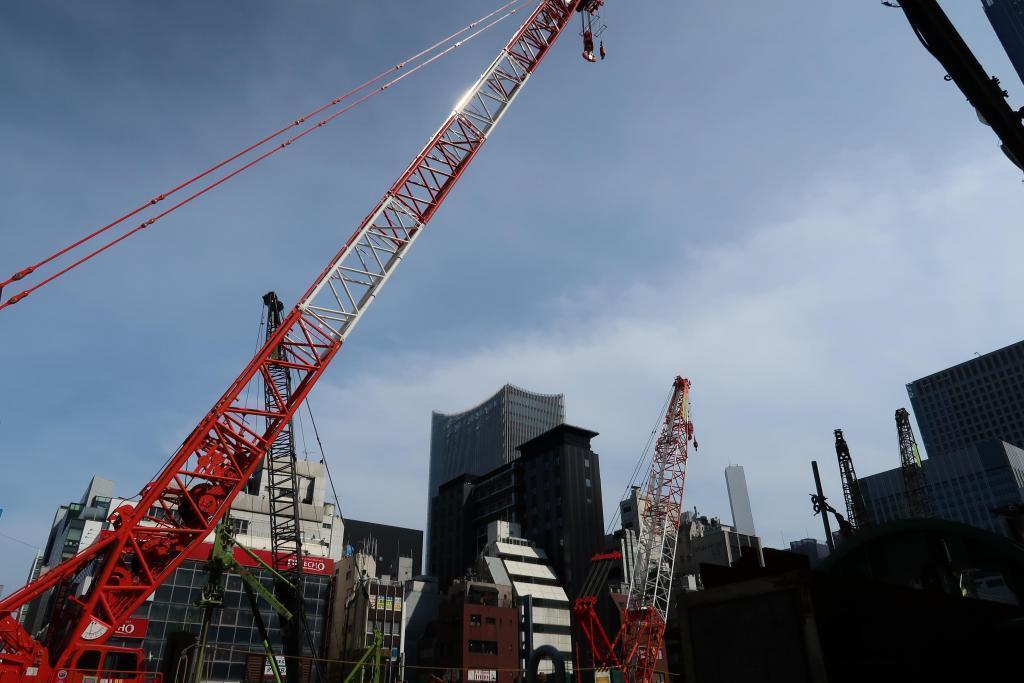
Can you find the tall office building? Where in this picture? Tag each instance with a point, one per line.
(980, 399)
(480, 439)
(739, 500)
(552, 492)
(962, 487)
(1007, 18)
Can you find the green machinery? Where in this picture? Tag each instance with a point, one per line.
(222, 561)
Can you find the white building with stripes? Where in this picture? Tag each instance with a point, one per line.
(544, 607)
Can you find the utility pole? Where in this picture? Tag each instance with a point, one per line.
(821, 507)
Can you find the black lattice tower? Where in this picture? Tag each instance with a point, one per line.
(283, 494)
(856, 511)
(914, 480)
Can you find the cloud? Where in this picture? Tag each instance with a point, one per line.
(815, 318)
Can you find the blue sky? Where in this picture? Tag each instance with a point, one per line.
(783, 201)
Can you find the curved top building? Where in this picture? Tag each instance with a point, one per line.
(482, 438)
(477, 440)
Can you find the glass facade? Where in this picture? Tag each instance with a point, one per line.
(483, 438)
(961, 488)
(233, 632)
(1007, 19)
(971, 402)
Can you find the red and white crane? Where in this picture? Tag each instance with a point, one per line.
(638, 645)
(103, 585)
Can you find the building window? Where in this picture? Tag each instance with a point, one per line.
(483, 647)
(474, 619)
(239, 526)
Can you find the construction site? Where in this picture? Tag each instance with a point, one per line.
(715, 238)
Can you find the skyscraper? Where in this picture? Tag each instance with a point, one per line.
(480, 439)
(552, 492)
(980, 399)
(739, 500)
(1007, 18)
(963, 486)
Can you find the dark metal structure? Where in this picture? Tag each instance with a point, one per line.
(283, 493)
(856, 510)
(941, 39)
(914, 480)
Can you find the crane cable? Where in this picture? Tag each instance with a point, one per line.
(644, 459)
(296, 123)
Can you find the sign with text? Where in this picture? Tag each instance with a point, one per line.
(133, 627)
(322, 566)
(489, 675)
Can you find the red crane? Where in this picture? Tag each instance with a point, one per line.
(637, 647)
(100, 587)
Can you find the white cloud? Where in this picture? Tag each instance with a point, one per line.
(815, 319)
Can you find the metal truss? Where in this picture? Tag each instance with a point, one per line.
(914, 480)
(856, 510)
(651, 583)
(181, 506)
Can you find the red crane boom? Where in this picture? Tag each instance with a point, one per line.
(638, 645)
(179, 508)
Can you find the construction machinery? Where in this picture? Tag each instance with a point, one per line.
(283, 496)
(222, 560)
(822, 507)
(938, 35)
(638, 645)
(912, 467)
(174, 513)
(856, 511)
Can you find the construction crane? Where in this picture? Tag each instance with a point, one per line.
(283, 496)
(175, 512)
(856, 510)
(914, 481)
(222, 560)
(941, 39)
(637, 647)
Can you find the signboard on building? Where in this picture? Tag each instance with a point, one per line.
(483, 675)
(268, 671)
(323, 566)
(133, 627)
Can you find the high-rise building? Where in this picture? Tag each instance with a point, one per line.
(964, 486)
(1007, 18)
(739, 500)
(393, 544)
(552, 492)
(480, 439)
(977, 400)
(75, 527)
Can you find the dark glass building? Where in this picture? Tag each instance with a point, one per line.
(1007, 19)
(235, 650)
(552, 491)
(974, 401)
(485, 437)
(392, 542)
(963, 487)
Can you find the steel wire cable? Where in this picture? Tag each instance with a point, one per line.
(21, 274)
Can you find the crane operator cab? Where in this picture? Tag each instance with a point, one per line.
(592, 28)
